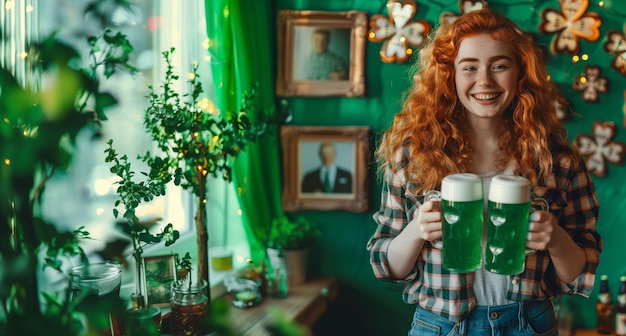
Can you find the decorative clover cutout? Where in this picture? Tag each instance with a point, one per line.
(466, 6)
(563, 109)
(591, 83)
(600, 148)
(399, 31)
(570, 24)
(616, 44)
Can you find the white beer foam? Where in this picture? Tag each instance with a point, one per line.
(509, 189)
(462, 187)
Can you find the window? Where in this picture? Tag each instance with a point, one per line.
(85, 195)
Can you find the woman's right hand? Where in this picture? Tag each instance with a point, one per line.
(428, 220)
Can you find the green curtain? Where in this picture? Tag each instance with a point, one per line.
(241, 45)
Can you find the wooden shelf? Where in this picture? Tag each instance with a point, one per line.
(304, 304)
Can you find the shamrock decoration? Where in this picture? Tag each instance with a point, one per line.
(591, 83)
(570, 24)
(563, 109)
(399, 31)
(616, 44)
(466, 7)
(600, 148)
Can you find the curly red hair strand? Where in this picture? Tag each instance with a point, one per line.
(432, 119)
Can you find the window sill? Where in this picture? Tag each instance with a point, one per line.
(304, 305)
(186, 244)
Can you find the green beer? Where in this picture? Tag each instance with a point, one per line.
(462, 223)
(506, 237)
(462, 235)
(508, 209)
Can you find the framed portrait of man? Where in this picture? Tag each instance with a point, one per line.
(321, 53)
(325, 168)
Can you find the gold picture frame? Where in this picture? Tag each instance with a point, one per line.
(304, 148)
(159, 273)
(299, 35)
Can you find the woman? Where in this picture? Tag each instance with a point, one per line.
(482, 103)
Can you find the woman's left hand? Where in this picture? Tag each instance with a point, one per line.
(541, 230)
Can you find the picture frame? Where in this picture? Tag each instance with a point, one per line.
(303, 150)
(300, 33)
(159, 273)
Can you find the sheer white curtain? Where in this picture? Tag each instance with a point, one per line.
(84, 195)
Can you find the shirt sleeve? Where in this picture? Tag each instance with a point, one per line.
(391, 219)
(579, 219)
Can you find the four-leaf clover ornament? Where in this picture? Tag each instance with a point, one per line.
(466, 6)
(569, 25)
(600, 148)
(591, 83)
(399, 31)
(616, 44)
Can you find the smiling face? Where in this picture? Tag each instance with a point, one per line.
(486, 74)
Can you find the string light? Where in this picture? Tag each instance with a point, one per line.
(7, 162)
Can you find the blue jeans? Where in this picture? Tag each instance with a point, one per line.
(517, 319)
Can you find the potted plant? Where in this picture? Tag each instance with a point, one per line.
(195, 140)
(40, 125)
(287, 244)
(132, 193)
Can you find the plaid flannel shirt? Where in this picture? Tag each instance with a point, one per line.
(572, 198)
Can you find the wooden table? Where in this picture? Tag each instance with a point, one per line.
(304, 304)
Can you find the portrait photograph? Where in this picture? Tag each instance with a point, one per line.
(325, 168)
(159, 272)
(321, 53)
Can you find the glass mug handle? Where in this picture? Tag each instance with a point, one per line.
(434, 195)
(536, 204)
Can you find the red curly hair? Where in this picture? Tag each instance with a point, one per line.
(434, 123)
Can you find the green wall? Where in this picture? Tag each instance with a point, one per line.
(367, 306)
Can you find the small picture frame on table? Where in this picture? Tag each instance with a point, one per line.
(321, 53)
(159, 273)
(308, 184)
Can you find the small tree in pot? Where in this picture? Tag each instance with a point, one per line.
(287, 243)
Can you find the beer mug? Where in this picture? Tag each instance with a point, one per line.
(508, 208)
(462, 222)
(434, 195)
(536, 204)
